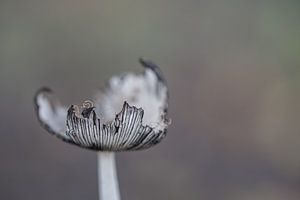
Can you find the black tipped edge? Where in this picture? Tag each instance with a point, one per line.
(37, 107)
(44, 89)
(152, 66)
(70, 110)
(126, 105)
(87, 112)
(38, 92)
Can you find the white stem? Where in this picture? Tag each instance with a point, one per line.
(107, 176)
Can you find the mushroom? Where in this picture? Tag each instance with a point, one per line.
(131, 114)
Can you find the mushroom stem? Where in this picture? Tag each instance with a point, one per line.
(107, 176)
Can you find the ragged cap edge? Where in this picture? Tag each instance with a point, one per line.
(139, 141)
(148, 65)
(46, 90)
(153, 67)
(124, 133)
(149, 68)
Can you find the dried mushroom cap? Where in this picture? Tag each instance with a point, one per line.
(131, 114)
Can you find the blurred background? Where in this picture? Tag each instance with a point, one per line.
(233, 68)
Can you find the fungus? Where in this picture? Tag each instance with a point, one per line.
(130, 114)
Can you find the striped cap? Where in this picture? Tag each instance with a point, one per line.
(130, 114)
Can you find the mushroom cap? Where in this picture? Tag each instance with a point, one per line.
(130, 114)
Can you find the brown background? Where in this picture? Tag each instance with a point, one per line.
(233, 72)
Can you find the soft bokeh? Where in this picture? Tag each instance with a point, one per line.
(233, 69)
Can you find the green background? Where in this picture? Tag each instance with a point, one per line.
(233, 69)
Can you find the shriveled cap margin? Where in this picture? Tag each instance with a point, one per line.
(124, 133)
(53, 109)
